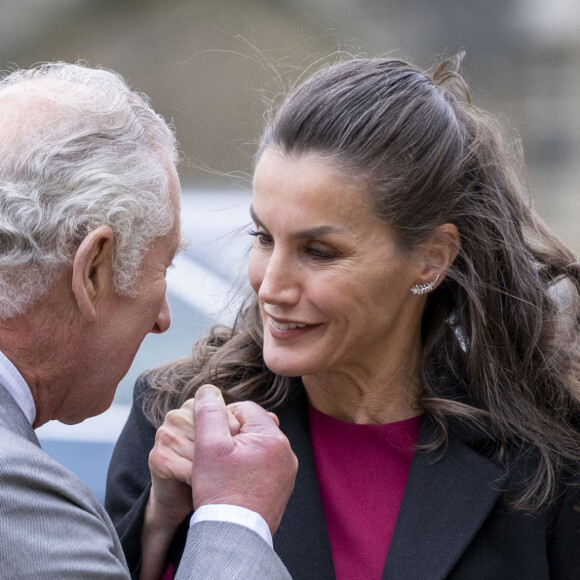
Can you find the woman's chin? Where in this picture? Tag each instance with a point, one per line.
(284, 367)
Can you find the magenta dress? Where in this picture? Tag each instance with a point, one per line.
(362, 471)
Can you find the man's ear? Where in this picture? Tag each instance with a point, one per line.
(93, 270)
(438, 253)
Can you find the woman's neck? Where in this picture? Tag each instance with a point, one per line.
(387, 395)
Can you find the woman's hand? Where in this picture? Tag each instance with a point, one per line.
(170, 496)
(170, 465)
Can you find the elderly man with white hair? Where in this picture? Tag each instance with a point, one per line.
(89, 223)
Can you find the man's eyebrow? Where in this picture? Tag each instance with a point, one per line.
(309, 233)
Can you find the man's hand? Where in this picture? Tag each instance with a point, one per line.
(250, 465)
(170, 464)
(170, 500)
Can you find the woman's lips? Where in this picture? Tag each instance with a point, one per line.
(286, 325)
(287, 329)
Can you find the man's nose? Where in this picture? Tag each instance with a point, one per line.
(163, 321)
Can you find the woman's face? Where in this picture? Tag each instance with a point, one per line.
(333, 288)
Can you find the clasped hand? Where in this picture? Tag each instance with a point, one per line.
(207, 453)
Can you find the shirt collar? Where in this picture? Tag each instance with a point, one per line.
(15, 384)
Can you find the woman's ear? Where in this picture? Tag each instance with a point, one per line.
(92, 273)
(437, 254)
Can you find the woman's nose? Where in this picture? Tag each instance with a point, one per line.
(280, 284)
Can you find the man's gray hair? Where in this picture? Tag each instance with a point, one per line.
(89, 152)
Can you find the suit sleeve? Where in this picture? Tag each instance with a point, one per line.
(51, 525)
(214, 550)
(226, 551)
(129, 482)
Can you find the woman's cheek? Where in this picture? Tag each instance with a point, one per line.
(256, 269)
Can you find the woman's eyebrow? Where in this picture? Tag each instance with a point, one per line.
(254, 217)
(317, 232)
(309, 233)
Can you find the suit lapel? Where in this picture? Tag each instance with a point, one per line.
(12, 417)
(444, 505)
(302, 539)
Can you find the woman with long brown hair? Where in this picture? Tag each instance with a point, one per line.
(415, 327)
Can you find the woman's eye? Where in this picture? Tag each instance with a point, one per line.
(263, 238)
(319, 253)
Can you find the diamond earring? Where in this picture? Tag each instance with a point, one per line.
(420, 289)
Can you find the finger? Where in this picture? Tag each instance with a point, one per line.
(187, 407)
(181, 469)
(183, 448)
(168, 468)
(173, 440)
(252, 417)
(211, 418)
(180, 421)
(233, 424)
(275, 418)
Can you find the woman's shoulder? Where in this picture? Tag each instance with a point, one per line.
(142, 385)
(522, 465)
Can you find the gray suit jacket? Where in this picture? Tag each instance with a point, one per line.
(53, 527)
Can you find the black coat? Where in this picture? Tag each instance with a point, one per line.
(453, 522)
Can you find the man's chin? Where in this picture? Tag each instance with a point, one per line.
(76, 418)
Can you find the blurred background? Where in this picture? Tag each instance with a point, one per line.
(212, 66)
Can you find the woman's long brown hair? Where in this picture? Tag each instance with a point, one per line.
(504, 322)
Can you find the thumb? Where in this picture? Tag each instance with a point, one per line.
(210, 417)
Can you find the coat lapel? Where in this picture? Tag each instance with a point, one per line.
(302, 539)
(444, 505)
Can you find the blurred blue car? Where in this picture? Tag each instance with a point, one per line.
(202, 287)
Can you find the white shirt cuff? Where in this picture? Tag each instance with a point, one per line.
(236, 515)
